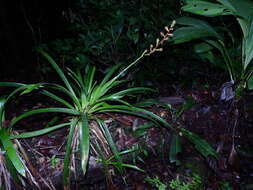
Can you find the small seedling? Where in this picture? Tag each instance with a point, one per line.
(156, 182)
(54, 161)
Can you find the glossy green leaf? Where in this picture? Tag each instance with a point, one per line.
(136, 111)
(57, 98)
(110, 73)
(127, 92)
(65, 91)
(11, 151)
(205, 8)
(2, 105)
(192, 29)
(250, 82)
(23, 88)
(11, 84)
(60, 73)
(242, 8)
(84, 137)
(40, 132)
(110, 142)
(175, 148)
(44, 110)
(196, 23)
(67, 157)
(200, 144)
(186, 34)
(127, 166)
(248, 46)
(89, 79)
(57, 69)
(202, 48)
(30, 87)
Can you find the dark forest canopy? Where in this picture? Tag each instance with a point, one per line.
(28, 24)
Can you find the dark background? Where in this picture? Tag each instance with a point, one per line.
(24, 25)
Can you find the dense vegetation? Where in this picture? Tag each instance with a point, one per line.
(159, 91)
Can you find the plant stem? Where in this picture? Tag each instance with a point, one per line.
(129, 66)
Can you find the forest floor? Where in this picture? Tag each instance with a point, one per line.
(210, 118)
(197, 108)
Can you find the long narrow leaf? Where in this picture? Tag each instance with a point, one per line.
(84, 141)
(65, 91)
(39, 132)
(175, 148)
(127, 92)
(2, 104)
(248, 46)
(110, 73)
(200, 144)
(11, 84)
(57, 98)
(89, 79)
(67, 157)
(136, 111)
(44, 110)
(58, 70)
(11, 151)
(110, 141)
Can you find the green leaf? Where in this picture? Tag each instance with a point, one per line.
(137, 112)
(242, 8)
(205, 8)
(186, 34)
(44, 110)
(84, 141)
(60, 73)
(65, 91)
(142, 129)
(11, 84)
(175, 148)
(193, 29)
(110, 142)
(202, 47)
(67, 157)
(2, 105)
(250, 83)
(88, 80)
(248, 46)
(11, 151)
(23, 88)
(128, 166)
(39, 132)
(57, 68)
(30, 87)
(57, 98)
(110, 73)
(200, 144)
(118, 95)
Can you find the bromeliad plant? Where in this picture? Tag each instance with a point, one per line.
(239, 66)
(83, 98)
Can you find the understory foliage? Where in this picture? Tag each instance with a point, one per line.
(235, 48)
(103, 37)
(110, 32)
(106, 33)
(83, 98)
